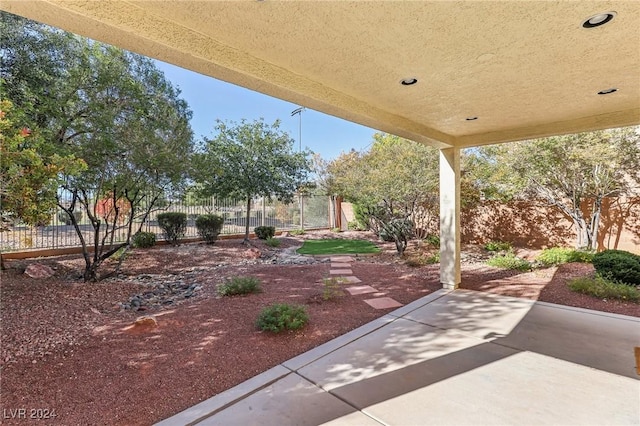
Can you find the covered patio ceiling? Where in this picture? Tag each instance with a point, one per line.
(487, 72)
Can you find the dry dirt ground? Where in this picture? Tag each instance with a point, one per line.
(71, 348)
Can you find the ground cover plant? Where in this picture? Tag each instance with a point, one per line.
(560, 255)
(604, 288)
(239, 285)
(282, 316)
(337, 246)
(509, 261)
(498, 246)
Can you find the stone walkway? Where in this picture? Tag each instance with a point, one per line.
(341, 268)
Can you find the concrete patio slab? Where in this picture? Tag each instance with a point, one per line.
(451, 358)
(360, 289)
(383, 303)
(340, 265)
(341, 259)
(340, 272)
(291, 400)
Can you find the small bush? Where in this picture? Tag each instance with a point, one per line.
(272, 242)
(354, 225)
(433, 240)
(618, 265)
(416, 261)
(209, 227)
(331, 288)
(173, 225)
(497, 246)
(279, 317)
(603, 288)
(336, 230)
(559, 255)
(297, 232)
(121, 254)
(434, 258)
(239, 285)
(509, 261)
(64, 218)
(144, 239)
(264, 232)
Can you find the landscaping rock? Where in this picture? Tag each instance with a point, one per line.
(39, 271)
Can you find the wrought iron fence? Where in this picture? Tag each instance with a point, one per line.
(59, 233)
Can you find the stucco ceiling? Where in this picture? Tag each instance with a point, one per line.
(524, 68)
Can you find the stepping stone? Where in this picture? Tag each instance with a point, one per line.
(340, 272)
(341, 265)
(350, 280)
(342, 259)
(360, 289)
(383, 303)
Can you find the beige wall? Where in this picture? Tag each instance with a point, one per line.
(534, 225)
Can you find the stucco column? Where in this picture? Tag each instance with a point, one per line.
(450, 218)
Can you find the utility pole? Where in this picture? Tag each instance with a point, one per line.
(298, 111)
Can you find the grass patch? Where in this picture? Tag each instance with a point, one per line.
(509, 261)
(337, 246)
(239, 285)
(603, 288)
(272, 242)
(560, 255)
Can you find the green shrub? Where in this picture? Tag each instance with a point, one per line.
(264, 232)
(209, 227)
(509, 261)
(559, 255)
(279, 317)
(433, 240)
(144, 239)
(331, 288)
(121, 254)
(354, 225)
(297, 232)
(618, 265)
(434, 258)
(173, 225)
(498, 246)
(239, 285)
(337, 230)
(64, 218)
(603, 288)
(272, 242)
(396, 228)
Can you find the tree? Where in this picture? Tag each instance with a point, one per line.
(395, 183)
(249, 159)
(574, 173)
(110, 108)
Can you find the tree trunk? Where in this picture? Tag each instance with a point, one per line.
(246, 226)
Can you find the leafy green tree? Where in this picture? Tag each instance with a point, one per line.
(574, 173)
(395, 182)
(249, 159)
(110, 108)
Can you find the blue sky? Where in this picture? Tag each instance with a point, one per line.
(212, 99)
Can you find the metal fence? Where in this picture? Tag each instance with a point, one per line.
(316, 213)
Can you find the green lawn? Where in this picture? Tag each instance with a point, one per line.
(338, 247)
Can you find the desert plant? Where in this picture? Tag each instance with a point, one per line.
(560, 255)
(173, 225)
(509, 261)
(497, 246)
(209, 227)
(331, 288)
(264, 232)
(604, 288)
(272, 242)
(239, 285)
(279, 317)
(618, 265)
(144, 239)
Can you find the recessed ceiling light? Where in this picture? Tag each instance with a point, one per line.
(599, 19)
(607, 91)
(471, 118)
(408, 81)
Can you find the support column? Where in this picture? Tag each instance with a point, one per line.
(450, 218)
